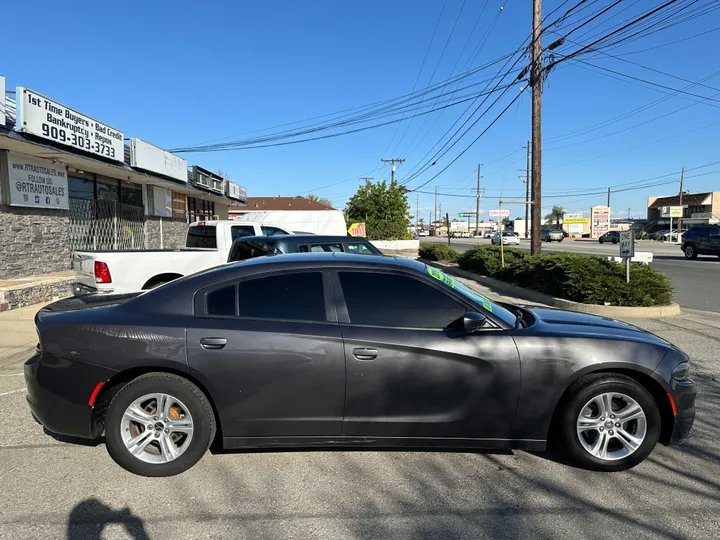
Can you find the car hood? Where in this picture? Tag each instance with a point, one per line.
(560, 322)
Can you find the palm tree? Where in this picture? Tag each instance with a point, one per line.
(318, 199)
(556, 215)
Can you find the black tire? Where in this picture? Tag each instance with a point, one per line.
(580, 394)
(561, 240)
(690, 251)
(189, 394)
(614, 241)
(600, 240)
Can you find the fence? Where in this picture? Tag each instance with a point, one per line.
(105, 225)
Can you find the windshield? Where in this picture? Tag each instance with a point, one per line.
(474, 296)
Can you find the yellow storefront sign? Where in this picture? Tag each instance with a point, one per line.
(576, 220)
(357, 229)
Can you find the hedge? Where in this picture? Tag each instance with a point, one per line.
(580, 278)
(437, 252)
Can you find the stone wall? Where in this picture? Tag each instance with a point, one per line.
(34, 241)
(173, 231)
(35, 294)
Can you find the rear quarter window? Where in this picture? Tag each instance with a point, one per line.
(202, 236)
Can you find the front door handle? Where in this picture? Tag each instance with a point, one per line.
(213, 343)
(363, 353)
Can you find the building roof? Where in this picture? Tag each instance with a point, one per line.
(688, 198)
(284, 203)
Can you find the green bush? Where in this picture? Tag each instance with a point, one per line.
(437, 252)
(485, 259)
(385, 230)
(580, 278)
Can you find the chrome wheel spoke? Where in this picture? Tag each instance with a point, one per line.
(167, 447)
(162, 405)
(631, 412)
(628, 441)
(138, 444)
(599, 449)
(588, 424)
(135, 413)
(181, 426)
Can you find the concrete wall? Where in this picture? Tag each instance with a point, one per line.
(173, 233)
(34, 241)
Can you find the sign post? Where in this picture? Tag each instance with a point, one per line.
(627, 250)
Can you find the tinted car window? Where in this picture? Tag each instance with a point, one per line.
(202, 236)
(362, 248)
(271, 231)
(221, 301)
(249, 249)
(239, 231)
(326, 248)
(297, 296)
(394, 300)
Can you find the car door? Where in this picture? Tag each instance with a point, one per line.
(713, 242)
(408, 374)
(270, 351)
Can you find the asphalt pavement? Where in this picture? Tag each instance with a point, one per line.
(58, 489)
(696, 282)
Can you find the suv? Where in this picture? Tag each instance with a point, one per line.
(611, 236)
(549, 235)
(257, 246)
(701, 240)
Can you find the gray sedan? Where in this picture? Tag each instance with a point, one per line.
(348, 350)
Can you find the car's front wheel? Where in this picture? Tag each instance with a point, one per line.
(159, 425)
(609, 423)
(690, 252)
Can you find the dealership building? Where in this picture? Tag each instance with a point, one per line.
(70, 182)
(692, 208)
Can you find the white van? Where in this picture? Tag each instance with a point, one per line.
(326, 222)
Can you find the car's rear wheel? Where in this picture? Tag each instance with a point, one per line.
(600, 240)
(690, 251)
(159, 425)
(609, 423)
(614, 241)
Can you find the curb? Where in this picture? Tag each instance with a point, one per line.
(501, 287)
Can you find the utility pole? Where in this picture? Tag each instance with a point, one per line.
(447, 220)
(393, 166)
(417, 211)
(608, 198)
(628, 214)
(527, 189)
(477, 204)
(366, 179)
(682, 176)
(435, 214)
(536, 83)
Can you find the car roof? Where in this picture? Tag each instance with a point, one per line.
(303, 238)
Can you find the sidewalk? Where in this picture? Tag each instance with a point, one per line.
(17, 337)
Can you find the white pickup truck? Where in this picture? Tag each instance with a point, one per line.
(207, 244)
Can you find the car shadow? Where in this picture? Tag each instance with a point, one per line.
(88, 518)
(73, 440)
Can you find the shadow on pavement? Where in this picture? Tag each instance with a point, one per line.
(88, 519)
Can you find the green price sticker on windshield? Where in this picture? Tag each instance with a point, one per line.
(437, 274)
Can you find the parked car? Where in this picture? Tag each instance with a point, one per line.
(551, 235)
(423, 232)
(346, 350)
(207, 244)
(672, 236)
(701, 240)
(325, 222)
(508, 238)
(610, 236)
(259, 246)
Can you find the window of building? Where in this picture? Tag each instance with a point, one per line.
(179, 205)
(296, 296)
(200, 210)
(378, 299)
(87, 186)
(130, 194)
(81, 188)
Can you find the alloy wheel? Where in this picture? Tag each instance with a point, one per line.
(611, 426)
(157, 428)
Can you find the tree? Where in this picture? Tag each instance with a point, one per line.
(222, 174)
(421, 222)
(556, 214)
(318, 199)
(384, 209)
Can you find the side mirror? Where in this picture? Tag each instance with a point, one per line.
(472, 320)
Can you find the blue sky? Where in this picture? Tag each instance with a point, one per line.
(181, 73)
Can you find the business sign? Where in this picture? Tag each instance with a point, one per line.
(567, 220)
(574, 229)
(36, 183)
(235, 191)
(149, 157)
(357, 229)
(627, 244)
(43, 117)
(2, 100)
(499, 213)
(671, 211)
(599, 220)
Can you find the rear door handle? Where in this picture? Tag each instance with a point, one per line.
(213, 342)
(363, 353)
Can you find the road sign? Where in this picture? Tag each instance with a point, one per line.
(499, 213)
(627, 244)
(671, 211)
(357, 229)
(467, 214)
